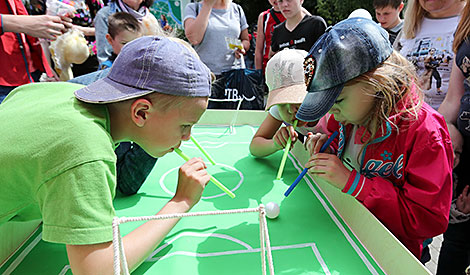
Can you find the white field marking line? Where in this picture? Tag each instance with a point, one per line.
(23, 255)
(253, 129)
(188, 145)
(235, 252)
(64, 270)
(320, 260)
(224, 133)
(162, 184)
(193, 234)
(333, 217)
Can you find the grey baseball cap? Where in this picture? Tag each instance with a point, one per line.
(150, 64)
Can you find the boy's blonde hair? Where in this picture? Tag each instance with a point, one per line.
(393, 84)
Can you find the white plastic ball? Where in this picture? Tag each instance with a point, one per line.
(272, 210)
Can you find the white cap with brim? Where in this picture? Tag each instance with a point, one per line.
(284, 77)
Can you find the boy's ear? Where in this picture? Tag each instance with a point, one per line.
(140, 111)
(109, 38)
(400, 8)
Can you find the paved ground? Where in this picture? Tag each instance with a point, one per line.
(434, 249)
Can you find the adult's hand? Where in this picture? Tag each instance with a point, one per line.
(41, 26)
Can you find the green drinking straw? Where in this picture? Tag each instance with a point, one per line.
(202, 150)
(214, 180)
(286, 152)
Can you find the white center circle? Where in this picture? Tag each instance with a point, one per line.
(162, 184)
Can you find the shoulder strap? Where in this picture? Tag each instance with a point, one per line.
(273, 14)
(197, 8)
(22, 46)
(239, 12)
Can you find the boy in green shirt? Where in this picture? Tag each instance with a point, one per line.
(58, 160)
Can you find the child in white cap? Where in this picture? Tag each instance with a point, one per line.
(393, 152)
(60, 165)
(285, 80)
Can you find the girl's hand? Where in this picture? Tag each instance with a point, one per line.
(463, 201)
(328, 167)
(314, 142)
(283, 135)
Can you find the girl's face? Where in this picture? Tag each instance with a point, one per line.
(288, 112)
(135, 4)
(439, 8)
(353, 104)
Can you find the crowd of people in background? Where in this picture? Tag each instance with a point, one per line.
(433, 36)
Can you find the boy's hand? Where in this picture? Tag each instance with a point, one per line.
(192, 178)
(463, 201)
(329, 168)
(283, 135)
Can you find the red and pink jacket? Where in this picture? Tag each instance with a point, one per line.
(406, 175)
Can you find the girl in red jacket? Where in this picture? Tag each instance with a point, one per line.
(393, 152)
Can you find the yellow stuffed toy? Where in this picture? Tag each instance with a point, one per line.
(69, 48)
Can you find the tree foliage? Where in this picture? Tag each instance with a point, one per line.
(332, 11)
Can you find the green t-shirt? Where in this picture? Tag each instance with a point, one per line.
(57, 163)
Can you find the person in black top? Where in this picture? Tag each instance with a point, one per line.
(299, 31)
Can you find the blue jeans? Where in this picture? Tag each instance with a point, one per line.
(89, 78)
(132, 167)
(4, 91)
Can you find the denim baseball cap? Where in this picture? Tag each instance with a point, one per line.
(348, 49)
(150, 64)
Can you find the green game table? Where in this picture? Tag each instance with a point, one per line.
(319, 230)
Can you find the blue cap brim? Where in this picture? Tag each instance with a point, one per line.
(317, 104)
(108, 91)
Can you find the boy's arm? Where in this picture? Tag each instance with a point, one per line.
(260, 40)
(98, 258)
